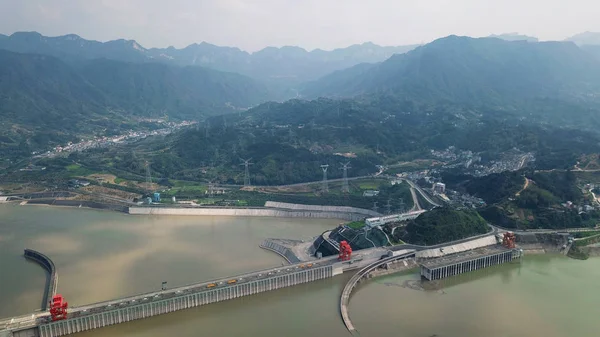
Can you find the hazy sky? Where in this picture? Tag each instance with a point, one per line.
(326, 24)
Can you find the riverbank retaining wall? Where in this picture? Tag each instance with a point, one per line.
(282, 250)
(258, 212)
(79, 203)
(184, 301)
(320, 208)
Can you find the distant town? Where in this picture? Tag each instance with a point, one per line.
(105, 141)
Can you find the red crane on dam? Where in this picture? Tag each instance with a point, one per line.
(58, 308)
(508, 240)
(345, 251)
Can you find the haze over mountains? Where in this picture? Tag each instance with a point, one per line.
(269, 63)
(464, 69)
(71, 86)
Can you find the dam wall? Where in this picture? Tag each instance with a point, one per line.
(52, 280)
(101, 317)
(320, 208)
(258, 212)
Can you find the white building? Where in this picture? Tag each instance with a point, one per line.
(439, 188)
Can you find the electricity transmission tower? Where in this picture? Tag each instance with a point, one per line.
(211, 189)
(345, 167)
(246, 163)
(388, 207)
(148, 177)
(325, 185)
(374, 206)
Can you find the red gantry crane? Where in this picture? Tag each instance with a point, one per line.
(345, 251)
(58, 308)
(508, 240)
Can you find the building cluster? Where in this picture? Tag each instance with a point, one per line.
(458, 199)
(105, 141)
(471, 163)
(579, 208)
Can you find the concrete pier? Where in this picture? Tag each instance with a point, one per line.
(52, 280)
(462, 263)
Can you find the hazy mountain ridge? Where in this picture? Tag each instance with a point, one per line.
(42, 95)
(464, 69)
(515, 37)
(585, 38)
(293, 63)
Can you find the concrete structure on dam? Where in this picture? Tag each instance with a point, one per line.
(52, 279)
(322, 212)
(439, 268)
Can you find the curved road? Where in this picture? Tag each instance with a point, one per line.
(345, 298)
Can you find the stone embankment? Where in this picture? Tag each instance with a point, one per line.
(285, 252)
(79, 203)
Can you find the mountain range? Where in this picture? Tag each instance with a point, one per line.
(44, 100)
(72, 86)
(515, 37)
(289, 63)
(585, 38)
(473, 71)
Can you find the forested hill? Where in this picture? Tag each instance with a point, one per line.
(289, 141)
(44, 100)
(444, 225)
(148, 89)
(474, 71)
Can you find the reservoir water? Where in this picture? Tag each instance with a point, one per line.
(103, 255)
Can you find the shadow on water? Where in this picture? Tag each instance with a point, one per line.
(506, 271)
(46, 293)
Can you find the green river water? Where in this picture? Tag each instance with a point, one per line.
(103, 255)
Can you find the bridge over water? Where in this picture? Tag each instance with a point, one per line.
(146, 305)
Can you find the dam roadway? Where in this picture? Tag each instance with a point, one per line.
(97, 315)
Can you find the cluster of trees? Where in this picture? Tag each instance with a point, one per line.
(492, 188)
(442, 225)
(541, 218)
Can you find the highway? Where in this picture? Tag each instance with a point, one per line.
(423, 194)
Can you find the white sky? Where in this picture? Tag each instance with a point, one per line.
(325, 24)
